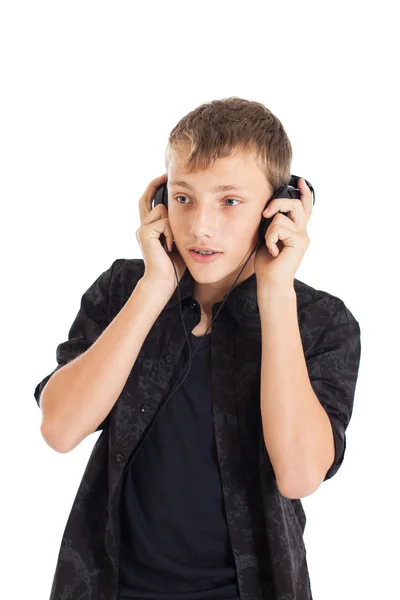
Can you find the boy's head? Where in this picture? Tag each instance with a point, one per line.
(225, 142)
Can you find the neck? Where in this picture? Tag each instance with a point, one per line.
(207, 294)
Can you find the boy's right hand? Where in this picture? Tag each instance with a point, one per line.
(154, 222)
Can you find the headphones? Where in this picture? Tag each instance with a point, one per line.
(161, 197)
(284, 191)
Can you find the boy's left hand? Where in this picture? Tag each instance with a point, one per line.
(287, 237)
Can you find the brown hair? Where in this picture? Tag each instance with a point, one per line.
(219, 128)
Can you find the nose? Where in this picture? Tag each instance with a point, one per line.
(204, 222)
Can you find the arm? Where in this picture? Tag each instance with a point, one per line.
(82, 393)
(297, 430)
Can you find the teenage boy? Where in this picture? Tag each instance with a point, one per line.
(200, 497)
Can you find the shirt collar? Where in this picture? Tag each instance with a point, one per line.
(242, 299)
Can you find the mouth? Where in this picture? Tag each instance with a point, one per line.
(204, 258)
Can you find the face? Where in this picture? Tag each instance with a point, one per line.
(227, 221)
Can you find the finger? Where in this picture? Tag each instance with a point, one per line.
(283, 220)
(274, 235)
(159, 212)
(292, 207)
(148, 195)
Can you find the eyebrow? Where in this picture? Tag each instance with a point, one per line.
(215, 190)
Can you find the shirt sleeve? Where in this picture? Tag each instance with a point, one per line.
(89, 323)
(333, 365)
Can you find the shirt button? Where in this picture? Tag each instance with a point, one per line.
(119, 457)
(144, 407)
(169, 358)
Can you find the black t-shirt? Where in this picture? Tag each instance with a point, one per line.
(175, 541)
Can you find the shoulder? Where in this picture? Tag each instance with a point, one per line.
(127, 269)
(318, 308)
(124, 274)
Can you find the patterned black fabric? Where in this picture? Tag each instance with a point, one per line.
(266, 528)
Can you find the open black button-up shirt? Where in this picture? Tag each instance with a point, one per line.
(266, 528)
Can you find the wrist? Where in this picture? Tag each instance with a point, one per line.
(276, 291)
(160, 287)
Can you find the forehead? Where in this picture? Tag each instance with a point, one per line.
(239, 169)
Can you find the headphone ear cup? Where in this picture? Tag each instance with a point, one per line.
(262, 230)
(161, 196)
(281, 192)
(294, 181)
(165, 195)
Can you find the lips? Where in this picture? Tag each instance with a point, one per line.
(204, 258)
(203, 249)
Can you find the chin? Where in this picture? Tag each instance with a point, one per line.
(204, 278)
(208, 273)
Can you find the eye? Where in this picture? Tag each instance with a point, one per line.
(234, 200)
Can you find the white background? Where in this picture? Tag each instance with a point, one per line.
(89, 94)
